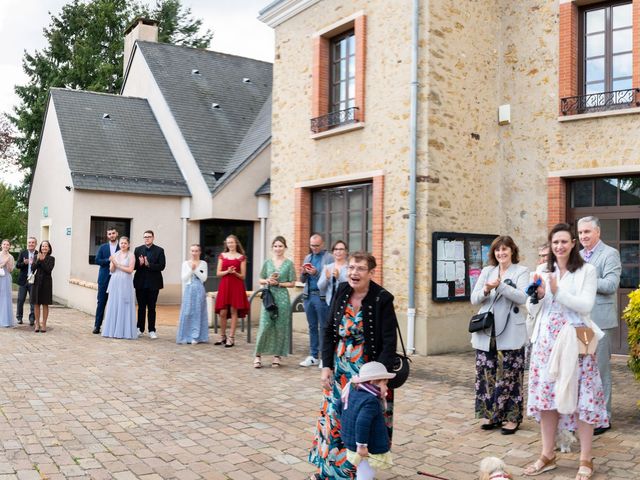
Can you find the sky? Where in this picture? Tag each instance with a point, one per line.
(234, 24)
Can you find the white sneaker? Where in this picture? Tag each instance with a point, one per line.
(194, 342)
(140, 333)
(307, 362)
(320, 364)
(153, 335)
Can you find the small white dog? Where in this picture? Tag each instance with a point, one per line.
(564, 440)
(493, 468)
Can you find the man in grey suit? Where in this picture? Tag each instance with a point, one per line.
(606, 260)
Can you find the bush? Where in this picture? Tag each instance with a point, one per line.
(632, 315)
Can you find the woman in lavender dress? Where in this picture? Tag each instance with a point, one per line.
(6, 265)
(194, 322)
(120, 314)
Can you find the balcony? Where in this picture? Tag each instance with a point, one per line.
(334, 119)
(600, 102)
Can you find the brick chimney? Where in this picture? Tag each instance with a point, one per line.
(140, 29)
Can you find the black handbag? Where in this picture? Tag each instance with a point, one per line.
(484, 320)
(481, 321)
(400, 365)
(268, 302)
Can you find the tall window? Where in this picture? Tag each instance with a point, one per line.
(98, 232)
(344, 213)
(343, 72)
(607, 47)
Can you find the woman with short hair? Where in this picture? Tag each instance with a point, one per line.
(361, 328)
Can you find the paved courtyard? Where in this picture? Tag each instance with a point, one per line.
(75, 405)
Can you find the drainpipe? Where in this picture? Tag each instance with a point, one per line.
(411, 304)
(264, 202)
(185, 207)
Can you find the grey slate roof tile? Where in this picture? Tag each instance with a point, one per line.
(125, 152)
(221, 139)
(265, 188)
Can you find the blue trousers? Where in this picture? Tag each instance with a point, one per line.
(102, 303)
(317, 311)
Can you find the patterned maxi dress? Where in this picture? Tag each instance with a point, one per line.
(274, 332)
(328, 452)
(591, 401)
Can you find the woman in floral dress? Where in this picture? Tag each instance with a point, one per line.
(361, 328)
(567, 294)
(274, 332)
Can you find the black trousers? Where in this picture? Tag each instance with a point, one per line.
(147, 299)
(22, 296)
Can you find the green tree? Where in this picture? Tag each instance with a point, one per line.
(85, 51)
(13, 217)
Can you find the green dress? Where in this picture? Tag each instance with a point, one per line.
(274, 331)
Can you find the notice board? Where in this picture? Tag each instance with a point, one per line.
(458, 259)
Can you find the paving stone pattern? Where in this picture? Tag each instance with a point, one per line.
(76, 405)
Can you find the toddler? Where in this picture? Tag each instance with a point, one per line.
(363, 429)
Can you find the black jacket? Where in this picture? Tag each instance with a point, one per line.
(149, 277)
(379, 322)
(24, 268)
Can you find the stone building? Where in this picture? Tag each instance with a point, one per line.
(526, 116)
(184, 150)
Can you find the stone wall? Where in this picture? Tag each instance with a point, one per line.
(475, 176)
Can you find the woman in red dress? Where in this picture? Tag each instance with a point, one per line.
(232, 296)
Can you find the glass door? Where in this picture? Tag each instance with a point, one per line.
(616, 202)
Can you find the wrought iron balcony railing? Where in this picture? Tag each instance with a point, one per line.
(600, 102)
(334, 119)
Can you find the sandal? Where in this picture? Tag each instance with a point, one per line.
(275, 363)
(222, 341)
(541, 465)
(231, 341)
(585, 471)
(257, 363)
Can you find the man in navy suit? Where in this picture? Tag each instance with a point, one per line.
(147, 281)
(25, 260)
(102, 258)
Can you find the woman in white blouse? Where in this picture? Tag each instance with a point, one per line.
(194, 323)
(565, 389)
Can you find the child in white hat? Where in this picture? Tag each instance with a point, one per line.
(363, 430)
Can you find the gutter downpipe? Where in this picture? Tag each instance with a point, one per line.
(411, 304)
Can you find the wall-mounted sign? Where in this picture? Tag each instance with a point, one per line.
(458, 259)
(45, 212)
(68, 231)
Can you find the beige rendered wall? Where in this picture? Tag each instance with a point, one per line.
(48, 190)
(381, 145)
(160, 214)
(236, 200)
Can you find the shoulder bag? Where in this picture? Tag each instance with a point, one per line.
(268, 302)
(587, 340)
(400, 365)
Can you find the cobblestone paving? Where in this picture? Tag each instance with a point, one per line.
(75, 405)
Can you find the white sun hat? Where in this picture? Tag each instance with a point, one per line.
(372, 371)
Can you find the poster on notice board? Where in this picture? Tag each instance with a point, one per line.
(457, 260)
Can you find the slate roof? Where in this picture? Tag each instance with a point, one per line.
(265, 189)
(222, 139)
(125, 152)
